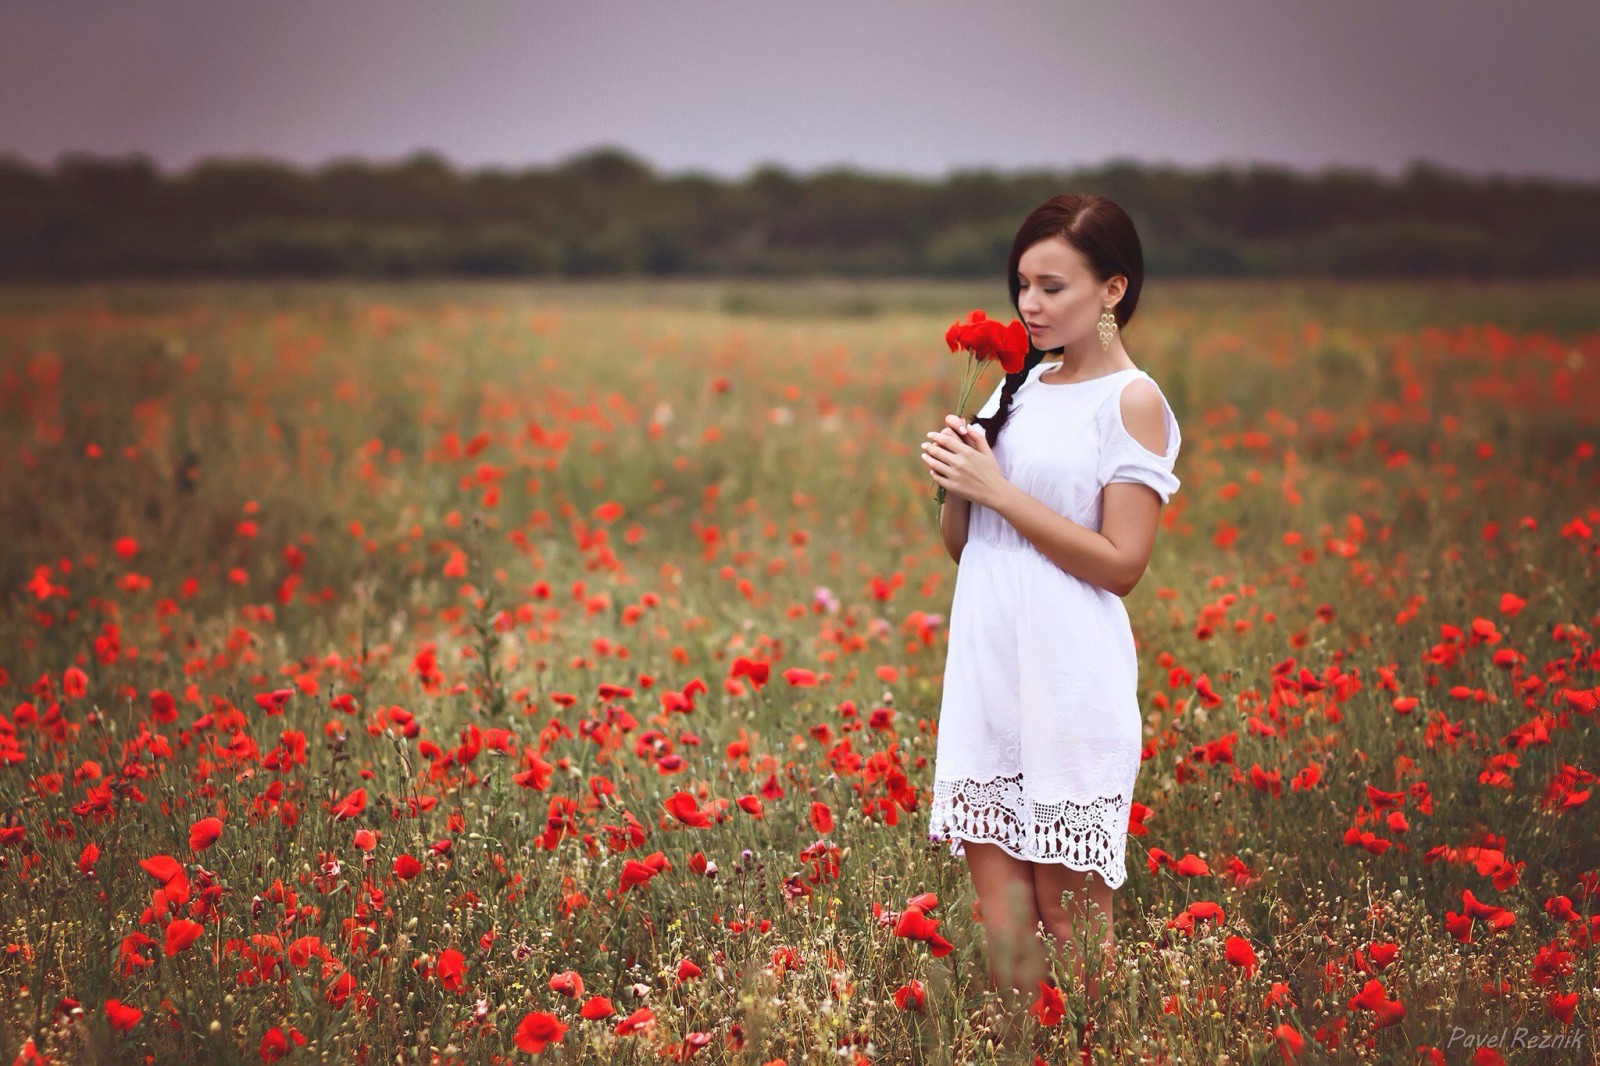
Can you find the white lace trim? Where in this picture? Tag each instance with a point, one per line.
(1092, 835)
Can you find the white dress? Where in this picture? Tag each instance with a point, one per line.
(1040, 728)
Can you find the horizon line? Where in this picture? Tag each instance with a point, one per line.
(608, 148)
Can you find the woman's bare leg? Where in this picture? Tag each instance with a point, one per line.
(1084, 916)
(1011, 921)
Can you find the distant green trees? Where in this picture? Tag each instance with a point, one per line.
(605, 212)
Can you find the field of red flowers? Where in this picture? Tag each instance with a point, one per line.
(458, 673)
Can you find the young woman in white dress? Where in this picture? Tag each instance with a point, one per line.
(1052, 522)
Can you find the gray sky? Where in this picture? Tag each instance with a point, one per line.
(912, 87)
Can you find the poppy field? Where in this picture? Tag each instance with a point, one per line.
(496, 673)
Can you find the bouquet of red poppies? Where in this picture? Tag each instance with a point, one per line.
(987, 341)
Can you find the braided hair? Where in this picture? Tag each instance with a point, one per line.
(991, 423)
(1104, 234)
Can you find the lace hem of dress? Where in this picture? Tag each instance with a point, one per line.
(1085, 836)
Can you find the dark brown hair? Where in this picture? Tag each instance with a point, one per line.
(1104, 234)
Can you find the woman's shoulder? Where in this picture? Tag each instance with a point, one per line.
(1136, 410)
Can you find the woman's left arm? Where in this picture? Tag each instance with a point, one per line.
(1113, 560)
(1116, 557)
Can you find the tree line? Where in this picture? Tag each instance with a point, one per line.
(605, 212)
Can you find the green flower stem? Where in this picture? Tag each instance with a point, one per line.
(975, 369)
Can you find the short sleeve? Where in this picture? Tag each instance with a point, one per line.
(1122, 458)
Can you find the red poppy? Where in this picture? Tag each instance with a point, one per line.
(638, 1021)
(302, 949)
(634, 873)
(1050, 1007)
(755, 670)
(272, 702)
(538, 1029)
(910, 996)
(1239, 952)
(686, 809)
(163, 708)
(1373, 997)
(204, 833)
(597, 1007)
(351, 805)
(915, 924)
(988, 342)
(181, 932)
(341, 988)
(452, 965)
(537, 775)
(168, 871)
(987, 339)
(121, 1016)
(567, 983)
(275, 1045)
(1290, 1042)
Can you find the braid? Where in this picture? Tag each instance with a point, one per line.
(991, 423)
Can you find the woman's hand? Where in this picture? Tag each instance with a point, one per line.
(958, 457)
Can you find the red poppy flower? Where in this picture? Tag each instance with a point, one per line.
(910, 996)
(638, 1021)
(634, 873)
(163, 708)
(181, 932)
(686, 809)
(538, 1029)
(597, 1007)
(168, 871)
(204, 833)
(275, 1045)
(121, 1016)
(987, 339)
(351, 805)
(1050, 1007)
(272, 702)
(452, 965)
(1239, 952)
(567, 983)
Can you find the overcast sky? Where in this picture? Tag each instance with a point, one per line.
(912, 87)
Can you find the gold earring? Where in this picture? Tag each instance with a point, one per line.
(1108, 328)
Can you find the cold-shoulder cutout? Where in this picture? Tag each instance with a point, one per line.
(1138, 400)
(1124, 458)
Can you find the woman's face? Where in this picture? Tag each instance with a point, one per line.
(1059, 297)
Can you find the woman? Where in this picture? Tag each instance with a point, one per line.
(1051, 511)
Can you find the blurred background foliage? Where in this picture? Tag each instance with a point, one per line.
(606, 213)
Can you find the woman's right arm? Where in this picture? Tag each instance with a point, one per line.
(953, 515)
